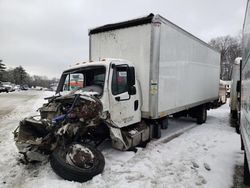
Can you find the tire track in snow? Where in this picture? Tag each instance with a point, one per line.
(171, 163)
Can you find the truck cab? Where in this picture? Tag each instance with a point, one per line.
(114, 82)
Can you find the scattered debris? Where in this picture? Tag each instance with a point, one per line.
(64, 120)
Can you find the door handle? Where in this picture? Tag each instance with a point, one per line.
(117, 98)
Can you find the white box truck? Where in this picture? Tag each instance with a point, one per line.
(176, 70)
(154, 69)
(245, 95)
(222, 93)
(234, 94)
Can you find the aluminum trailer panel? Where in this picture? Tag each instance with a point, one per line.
(132, 44)
(189, 70)
(245, 85)
(176, 70)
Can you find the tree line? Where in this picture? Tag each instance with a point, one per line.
(19, 76)
(230, 48)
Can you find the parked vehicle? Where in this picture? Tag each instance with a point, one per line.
(166, 61)
(235, 89)
(222, 93)
(2, 88)
(245, 95)
(17, 87)
(157, 69)
(8, 86)
(24, 87)
(228, 86)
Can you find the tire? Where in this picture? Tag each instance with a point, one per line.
(157, 130)
(246, 172)
(71, 172)
(242, 144)
(154, 129)
(201, 115)
(234, 114)
(237, 128)
(164, 123)
(176, 116)
(205, 118)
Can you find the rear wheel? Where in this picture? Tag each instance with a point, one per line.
(77, 162)
(246, 171)
(234, 114)
(157, 130)
(201, 115)
(242, 144)
(237, 128)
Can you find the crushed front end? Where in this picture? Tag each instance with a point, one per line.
(63, 120)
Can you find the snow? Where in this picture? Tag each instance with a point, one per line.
(181, 158)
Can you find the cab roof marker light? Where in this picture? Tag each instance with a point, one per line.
(79, 63)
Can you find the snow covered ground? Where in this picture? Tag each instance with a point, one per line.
(203, 156)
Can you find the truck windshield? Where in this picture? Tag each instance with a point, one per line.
(88, 79)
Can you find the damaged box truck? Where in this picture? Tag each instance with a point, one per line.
(140, 71)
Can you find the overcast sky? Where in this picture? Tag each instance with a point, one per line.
(46, 36)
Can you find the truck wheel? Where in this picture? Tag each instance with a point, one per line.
(201, 115)
(237, 128)
(205, 116)
(176, 116)
(246, 171)
(157, 130)
(234, 114)
(77, 162)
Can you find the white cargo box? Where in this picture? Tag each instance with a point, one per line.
(175, 69)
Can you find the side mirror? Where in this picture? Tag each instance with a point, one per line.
(132, 90)
(131, 76)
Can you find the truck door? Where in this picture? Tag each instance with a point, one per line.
(124, 96)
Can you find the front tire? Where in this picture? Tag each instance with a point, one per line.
(74, 164)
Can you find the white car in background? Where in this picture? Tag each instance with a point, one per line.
(17, 87)
(8, 86)
(2, 88)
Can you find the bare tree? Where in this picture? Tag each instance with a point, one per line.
(230, 48)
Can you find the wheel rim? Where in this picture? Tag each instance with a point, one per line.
(80, 156)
